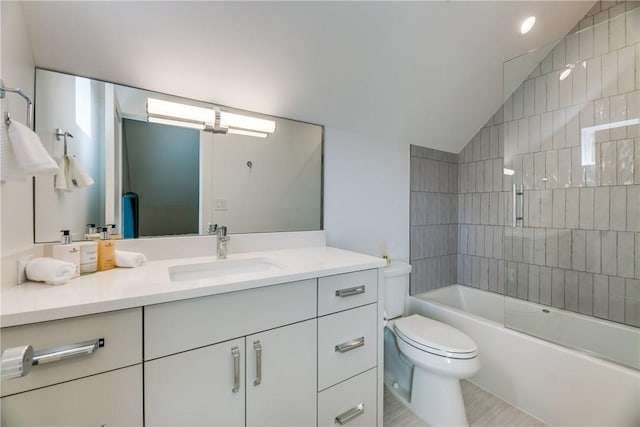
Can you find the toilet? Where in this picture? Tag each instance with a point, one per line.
(424, 359)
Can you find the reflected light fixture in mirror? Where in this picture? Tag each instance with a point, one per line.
(527, 25)
(211, 120)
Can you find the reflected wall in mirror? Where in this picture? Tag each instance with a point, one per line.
(183, 178)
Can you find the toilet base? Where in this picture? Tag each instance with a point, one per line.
(437, 399)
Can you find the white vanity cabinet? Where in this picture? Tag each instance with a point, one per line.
(100, 384)
(241, 358)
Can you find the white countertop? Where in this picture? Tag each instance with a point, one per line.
(122, 288)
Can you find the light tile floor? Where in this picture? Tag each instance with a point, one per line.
(483, 410)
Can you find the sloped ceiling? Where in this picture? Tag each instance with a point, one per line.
(426, 73)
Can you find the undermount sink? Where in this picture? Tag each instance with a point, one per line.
(205, 270)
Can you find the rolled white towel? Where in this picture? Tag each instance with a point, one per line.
(130, 259)
(49, 270)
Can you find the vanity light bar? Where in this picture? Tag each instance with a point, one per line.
(176, 114)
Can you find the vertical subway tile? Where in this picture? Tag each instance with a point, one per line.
(476, 208)
(546, 65)
(571, 290)
(532, 202)
(484, 273)
(585, 293)
(493, 208)
(546, 208)
(484, 208)
(579, 75)
(572, 203)
(625, 162)
(626, 69)
(545, 285)
(502, 203)
(577, 170)
(523, 281)
(488, 175)
(578, 257)
(529, 98)
(527, 172)
(565, 91)
(600, 296)
(610, 74)
(488, 241)
(511, 279)
(468, 208)
(498, 171)
(485, 144)
(498, 243)
(572, 49)
(625, 254)
(616, 299)
(493, 275)
(552, 168)
(501, 276)
(517, 244)
(572, 129)
(553, 90)
(632, 302)
(637, 263)
(618, 113)
(633, 26)
(564, 168)
(601, 38)
(564, 248)
(610, 252)
(534, 133)
(546, 131)
(609, 161)
(539, 246)
(552, 247)
(534, 283)
(475, 146)
(559, 197)
(479, 176)
(633, 208)
(557, 288)
(467, 270)
(480, 234)
(539, 170)
(618, 211)
(586, 208)
(518, 101)
(593, 254)
(558, 55)
(594, 78)
(601, 214)
(601, 115)
(617, 31)
(528, 250)
(540, 96)
(493, 142)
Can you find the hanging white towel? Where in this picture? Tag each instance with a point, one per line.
(31, 155)
(60, 180)
(9, 169)
(49, 270)
(76, 175)
(130, 259)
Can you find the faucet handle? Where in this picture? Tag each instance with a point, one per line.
(222, 231)
(212, 228)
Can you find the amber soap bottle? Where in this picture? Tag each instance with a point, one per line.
(106, 251)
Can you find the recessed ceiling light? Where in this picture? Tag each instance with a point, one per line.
(527, 24)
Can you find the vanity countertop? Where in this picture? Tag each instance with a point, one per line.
(122, 288)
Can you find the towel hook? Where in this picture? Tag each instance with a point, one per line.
(64, 134)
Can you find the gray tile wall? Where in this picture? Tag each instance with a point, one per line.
(580, 246)
(434, 211)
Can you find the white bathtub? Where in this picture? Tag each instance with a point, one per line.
(553, 383)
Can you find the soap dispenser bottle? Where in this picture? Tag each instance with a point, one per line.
(106, 251)
(92, 233)
(113, 232)
(67, 251)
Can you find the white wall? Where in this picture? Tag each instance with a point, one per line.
(366, 194)
(17, 70)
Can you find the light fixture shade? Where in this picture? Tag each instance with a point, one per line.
(527, 24)
(209, 119)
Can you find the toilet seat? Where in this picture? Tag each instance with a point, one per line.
(435, 337)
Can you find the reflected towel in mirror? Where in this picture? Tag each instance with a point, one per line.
(71, 175)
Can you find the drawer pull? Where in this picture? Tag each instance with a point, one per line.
(350, 291)
(349, 415)
(235, 352)
(67, 351)
(258, 348)
(350, 345)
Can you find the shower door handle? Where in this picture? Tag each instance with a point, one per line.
(518, 202)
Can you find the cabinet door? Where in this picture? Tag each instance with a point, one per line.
(281, 376)
(197, 387)
(112, 399)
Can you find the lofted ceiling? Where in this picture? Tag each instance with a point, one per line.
(426, 73)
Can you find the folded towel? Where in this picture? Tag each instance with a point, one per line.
(52, 271)
(31, 155)
(76, 176)
(130, 259)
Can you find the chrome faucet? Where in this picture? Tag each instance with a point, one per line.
(223, 238)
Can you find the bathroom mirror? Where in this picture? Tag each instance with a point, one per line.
(183, 178)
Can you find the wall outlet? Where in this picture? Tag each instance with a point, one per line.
(221, 204)
(22, 267)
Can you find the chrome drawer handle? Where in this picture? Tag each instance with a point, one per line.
(345, 417)
(258, 348)
(67, 351)
(350, 345)
(350, 291)
(235, 352)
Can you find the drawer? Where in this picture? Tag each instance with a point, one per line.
(354, 401)
(336, 363)
(121, 331)
(345, 291)
(112, 399)
(184, 325)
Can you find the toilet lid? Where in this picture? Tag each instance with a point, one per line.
(435, 337)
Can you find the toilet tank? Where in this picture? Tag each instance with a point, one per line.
(396, 288)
